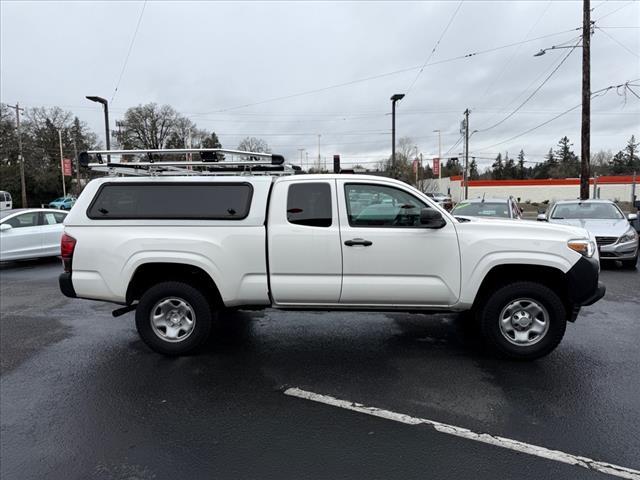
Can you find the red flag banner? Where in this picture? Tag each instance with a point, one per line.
(67, 171)
(436, 166)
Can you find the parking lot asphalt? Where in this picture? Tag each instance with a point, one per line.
(82, 397)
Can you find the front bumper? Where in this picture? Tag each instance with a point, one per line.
(583, 285)
(619, 251)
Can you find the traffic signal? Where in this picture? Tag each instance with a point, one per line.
(336, 164)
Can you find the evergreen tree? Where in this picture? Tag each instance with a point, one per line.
(546, 168)
(497, 168)
(626, 161)
(521, 168)
(510, 171)
(619, 163)
(451, 167)
(211, 141)
(473, 170)
(568, 162)
(631, 150)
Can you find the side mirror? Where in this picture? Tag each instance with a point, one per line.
(430, 218)
(633, 217)
(4, 227)
(542, 217)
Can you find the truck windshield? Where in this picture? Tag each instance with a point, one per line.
(597, 211)
(482, 209)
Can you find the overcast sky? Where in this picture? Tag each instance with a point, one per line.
(228, 65)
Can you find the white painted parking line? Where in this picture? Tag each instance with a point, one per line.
(515, 445)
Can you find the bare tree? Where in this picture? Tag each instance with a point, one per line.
(253, 144)
(148, 126)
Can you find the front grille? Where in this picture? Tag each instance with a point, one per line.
(605, 240)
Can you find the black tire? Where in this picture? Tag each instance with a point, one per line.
(200, 310)
(490, 312)
(630, 264)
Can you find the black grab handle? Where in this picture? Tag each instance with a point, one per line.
(358, 241)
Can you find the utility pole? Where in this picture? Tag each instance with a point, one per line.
(64, 188)
(23, 186)
(319, 159)
(466, 154)
(586, 100)
(301, 164)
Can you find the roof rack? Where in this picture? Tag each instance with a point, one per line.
(212, 161)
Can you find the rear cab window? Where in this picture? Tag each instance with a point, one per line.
(172, 200)
(309, 204)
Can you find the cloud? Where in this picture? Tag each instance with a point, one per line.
(204, 57)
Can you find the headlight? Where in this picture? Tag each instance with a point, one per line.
(584, 247)
(629, 236)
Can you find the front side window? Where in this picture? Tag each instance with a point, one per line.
(309, 204)
(206, 201)
(382, 206)
(25, 220)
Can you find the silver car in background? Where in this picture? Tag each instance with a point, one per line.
(616, 238)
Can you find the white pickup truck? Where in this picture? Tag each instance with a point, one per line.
(181, 250)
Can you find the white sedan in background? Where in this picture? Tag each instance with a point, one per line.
(30, 233)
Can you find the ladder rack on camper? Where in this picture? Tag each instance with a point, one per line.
(212, 161)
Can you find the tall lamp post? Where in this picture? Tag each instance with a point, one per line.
(105, 105)
(394, 99)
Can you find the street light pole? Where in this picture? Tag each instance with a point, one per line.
(394, 99)
(64, 188)
(585, 146)
(105, 105)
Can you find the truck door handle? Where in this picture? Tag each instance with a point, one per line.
(358, 241)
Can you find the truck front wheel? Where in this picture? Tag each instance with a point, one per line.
(523, 320)
(173, 318)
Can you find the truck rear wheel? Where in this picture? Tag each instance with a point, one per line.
(173, 318)
(523, 320)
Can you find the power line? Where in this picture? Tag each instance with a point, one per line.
(387, 74)
(126, 59)
(532, 93)
(455, 144)
(595, 94)
(616, 10)
(619, 43)
(444, 31)
(508, 62)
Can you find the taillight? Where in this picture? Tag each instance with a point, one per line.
(67, 246)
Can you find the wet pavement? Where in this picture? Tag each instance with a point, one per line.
(82, 397)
